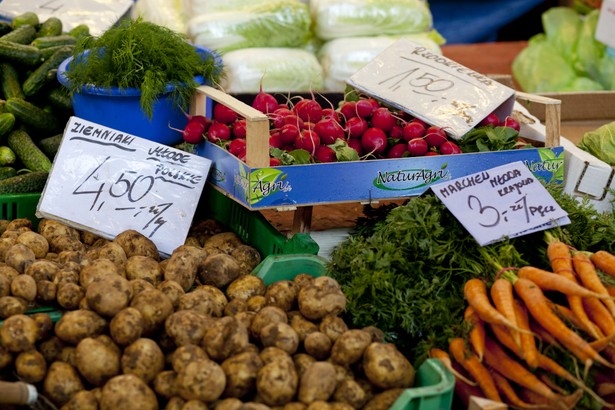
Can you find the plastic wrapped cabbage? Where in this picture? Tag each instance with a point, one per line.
(353, 18)
(600, 143)
(277, 69)
(277, 23)
(342, 57)
(162, 12)
(194, 7)
(562, 26)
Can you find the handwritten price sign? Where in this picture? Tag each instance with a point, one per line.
(106, 181)
(505, 201)
(432, 87)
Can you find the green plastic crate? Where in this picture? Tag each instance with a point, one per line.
(285, 267)
(15, 206)
(434, 389)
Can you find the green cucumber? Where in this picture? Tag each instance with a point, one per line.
(80, 30)
(39, 77)
(7, 122)
(22, 183)
(50, 145)
(7, 172)
(31, 115)
(28, 17)
(20, 53)
(22, 35)
(48, 52)
(60, 98)
(5, 27)
(7, 156)
(52, 41)
(50, 27)
(9, 82)
(28, 152)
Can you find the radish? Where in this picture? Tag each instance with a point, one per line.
(239, 128)
(308, 110)
(356, 126)
(288, 134)
(449, 148)
(331, 114)
(512, 123)
(264, 102)
(431, 153)
(308, 125)
(396, 133)
(348, 110)
(417, 147)
(237, 147)
(383, 119)
(366, 107)
(374, 140)
(355, 143)
(192, 132)
(218, 132)
(435, 136)
(491, 119)
(329, 130)
(274, 140)
(224, 114)
(413, 129)
(325, 154)
(277, 116)
(398, 150)
(200, 118)
(274, 162)
(294, 120)
(308, 140)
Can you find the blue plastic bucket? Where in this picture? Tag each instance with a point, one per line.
(120, 109)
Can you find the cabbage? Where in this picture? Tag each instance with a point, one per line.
(600, 143)
(562, 27)
(342, 57)
(279, 23)
(161, 12)
(279, 69)
(353, 18)
(193, 7)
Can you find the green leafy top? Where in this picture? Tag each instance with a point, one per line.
(490, 138)
(143, 55)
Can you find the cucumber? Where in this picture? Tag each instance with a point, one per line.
(7, 156)
(28, 152)
(31, 115)
(80, 31)
(28, 17)
(39, 77)
(5, 27)
(59, 97)
(9, 83)
(7, 172)
(50, 145)
(22, 183)
(20, 53)
(7, 122)
(50, 27)
(22, 35)
(48, 52)
(52, 41)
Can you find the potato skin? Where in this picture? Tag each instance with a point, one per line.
(135, 243)
(182, 267)
(218, 270)
(241, 371)
(349, 347)
(154, 306)
(186, 354)
(96, 362)
(31, 366)
(351, 392)
(82, 400)
(126, 326)
(61, 382)
(186, 327)
(383, 400)
(266, 316)
(317, 383)
(127, 392)
(386, 367)
(321, 298)
(19, 256)
(333, 326)
(144, 267)
(225, 337)
(280, 335)
(19, 333)
(76, 325)
(201, 380)
(276, 382)
(245, 286)
(109, 295)
(143, 358)
(318, 345)
(165, 384)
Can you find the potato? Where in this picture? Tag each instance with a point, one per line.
(276, 382)
(115, 253)
(247, 257)
(30, 366)
(108, 341)
(202, 301)
(65, 243)
(44, 323)
(218, 298)
(282, 294)
(246, 318)
(230, 403)
(225, 337)
(383, 400)
(218, 270)
(6, 357)
(235, 306)
(323, 297)
(139, 285)
(72, 259)
(266, 316)
(349, 346)
(76, 325)
(96, 362)
(302, 326)
(318, 345)
(51, 228)
(302, 362)
(36, 242)
(172, 289)
(302, 279)
(280, 335)
(143, 267)
(126, 326)
(64, 275)
(42, 269)
(135, 243)
(5, 286)
(256, 303)
(186, 354)
(201, 380)
(377, 334)
(51, 348)
(186, 327)
(95, 270)
(165, 384)
(12, 305)
(67, 355)
(61, 382)
(351, 392)
(386, 367)
(317, 383)
(69, 295)
(155, 307)
(8, 272)
(182, 267)
(333, 326)
(127, 392)
(245, 286)
(241, 371)
(19, 333)
(108, 295)
(24, 286)
(175, 403)
(225, 242)
(194, 405)
(294, 405)
(89, 238)
(19, 256)
(143, 358)
(82, 400)
(18, 223)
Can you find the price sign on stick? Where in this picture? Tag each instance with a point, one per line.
(106, 181)
(505, 201)
(412, 78)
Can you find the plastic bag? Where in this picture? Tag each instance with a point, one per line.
(162, 12)
(600, 143)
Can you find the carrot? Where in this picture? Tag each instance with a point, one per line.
(476, 369)
(566, 313)
(477, 332)
(502, 296)
(508, 391)
(543, 335)
(605, 261)
(600, 315)
(605, 389)
(611, 290)
(585, 269)
(444, 357)
(539, 308)
(552, 281)
(528, 344)
(567, 402)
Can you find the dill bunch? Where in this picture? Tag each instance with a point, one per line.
(139, 54)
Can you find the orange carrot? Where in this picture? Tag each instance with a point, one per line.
(611, 290)
(543, 335)
(528, 344)
(566, 313)
(600, 315)
(503, 298)
(477, 332)
(585, 269)
(605, 261)
(508, 391)
(605, 389)
(567, 402)
(538, 306)
(444, 357)
(476, 369)
(552, 281)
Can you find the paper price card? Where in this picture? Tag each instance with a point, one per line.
(412, 78)
(505, 201)
(106, 182)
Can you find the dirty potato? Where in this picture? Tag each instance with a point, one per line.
(386, 367)
(172, 289)
(323, 297)
(224, 242)
(154, 306)
(201, 380)
(241, 371)
(30, 366)
(11, 305)
(135, 243)
(76, 325)
(333, 326)
(318, 345)
(280, 335)
(24, 286)
(126, 326)
(218, 270)
(186, 327)
(245, 286)
(36, 242)
(42, 269)
(143, 358)
(19, 333)
(19, 256)
(108, 295)
(350, 346)
(186, 354)
(82, 400)
(266, 316)
(282, 294)
(127, 392)
(69, 295)
(247, 256)
(61, 382)
(224, 337)
(144, 267)
(182, 267)
(277, 382)
(165, 384)
(317, 383)
(96, 361)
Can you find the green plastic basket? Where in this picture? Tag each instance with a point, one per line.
(434, 389)
(15, 206)
(285, 267)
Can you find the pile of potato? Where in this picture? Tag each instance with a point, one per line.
(193, 331)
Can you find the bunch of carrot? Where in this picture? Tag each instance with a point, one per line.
(526, 315)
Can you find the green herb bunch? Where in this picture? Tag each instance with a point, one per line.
(142, 55)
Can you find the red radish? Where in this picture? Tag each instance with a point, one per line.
(224, 114)
(274, 140)
(355, 143)
(417, 147)
(274, 162)
(277, 117)
(435, 136)
(398, 150)
(356, 126)
(365, 107)
(237, 147)
(512, 123)
(431, 153)
(284, 105)
(328, 130)
(218, 132)
(374, 140)
(192, 132)
(200, 118)
(331, 114)
(491, 119)
(308, 110)
(449, 148)
(348, 110)
(325, 154)
(308, 140)
(239, 128)
(396, 133)
(416, 119)
(383, 118)
(308, 125)
(413, 129)
(288, 134)
(264, 102)
(294, 120)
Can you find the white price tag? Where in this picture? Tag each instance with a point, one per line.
(432, 87)
(506, 201)
(605, 29)
(106, 181)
